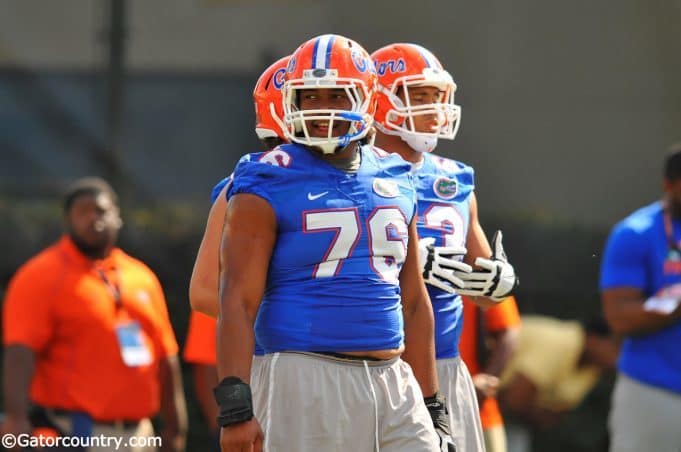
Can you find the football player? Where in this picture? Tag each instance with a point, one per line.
(319, 260)
(416, 108)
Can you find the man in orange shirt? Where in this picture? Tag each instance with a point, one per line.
(502, 323)
(88, 342)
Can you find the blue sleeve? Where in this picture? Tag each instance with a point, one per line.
(218, 188)
(471, 174)
(254, 178)
(623, 263)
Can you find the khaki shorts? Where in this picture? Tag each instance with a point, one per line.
(143, 434)
(309, 403)
(464, 416)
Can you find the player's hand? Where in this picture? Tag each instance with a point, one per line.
(437, 408)
(242, 437)
(496, 278)
(441, 265)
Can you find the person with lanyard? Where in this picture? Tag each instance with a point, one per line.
(89, 348)
(640, 285)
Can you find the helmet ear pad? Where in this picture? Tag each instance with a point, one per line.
(392, 116)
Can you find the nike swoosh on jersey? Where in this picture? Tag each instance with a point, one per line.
(312, 197)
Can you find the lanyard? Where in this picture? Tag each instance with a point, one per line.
(113, 286)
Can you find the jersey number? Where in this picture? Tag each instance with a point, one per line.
(447, 220)
(387, 228)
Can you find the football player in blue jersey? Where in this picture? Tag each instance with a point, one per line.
(415, 108)
(320, 261)
(640, 290)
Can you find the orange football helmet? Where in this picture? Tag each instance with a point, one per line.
(333, 62)
(267, 99)
(401, 66)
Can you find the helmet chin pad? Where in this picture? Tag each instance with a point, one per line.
(419, 143)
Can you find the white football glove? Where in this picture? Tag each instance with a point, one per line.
(440, 267)
(497, 278)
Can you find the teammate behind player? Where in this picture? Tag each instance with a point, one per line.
(415, 108)
(200, 348)
(328, 262)
(203, 287)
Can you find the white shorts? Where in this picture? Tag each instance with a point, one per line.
(309, 403)
(457, 386)
(644, 418)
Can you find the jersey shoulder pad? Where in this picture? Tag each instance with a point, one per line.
(450, 166)
(390, 163)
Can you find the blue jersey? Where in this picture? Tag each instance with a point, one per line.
(332, 283)
(638, 255)
(258, 351)
(444, 190)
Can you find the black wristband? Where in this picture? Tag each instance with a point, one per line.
(235, 401)
(428, 267)
(437, 408)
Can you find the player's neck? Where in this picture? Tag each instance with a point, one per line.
(349, 152)
(395, 144)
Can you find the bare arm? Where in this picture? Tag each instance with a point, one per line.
(205, 379)
(19, 367)
(249, 235)
(624, 312)
(203, 286)
(419, 327)
(173, 408)
(248, 238)
(477, 246)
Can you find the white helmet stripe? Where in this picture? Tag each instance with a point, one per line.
(430, 59)
(321, 57)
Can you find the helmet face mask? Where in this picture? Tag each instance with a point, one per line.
(406, 67)
(402, 113)
(347, 69)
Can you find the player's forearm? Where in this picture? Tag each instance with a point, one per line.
(419, 350)
(19, 366)
(483, 302)
(235, 339)
(203, 298)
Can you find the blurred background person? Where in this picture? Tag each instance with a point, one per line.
(88, 342)
(641, 293)
(488, 340)
(555, 365)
